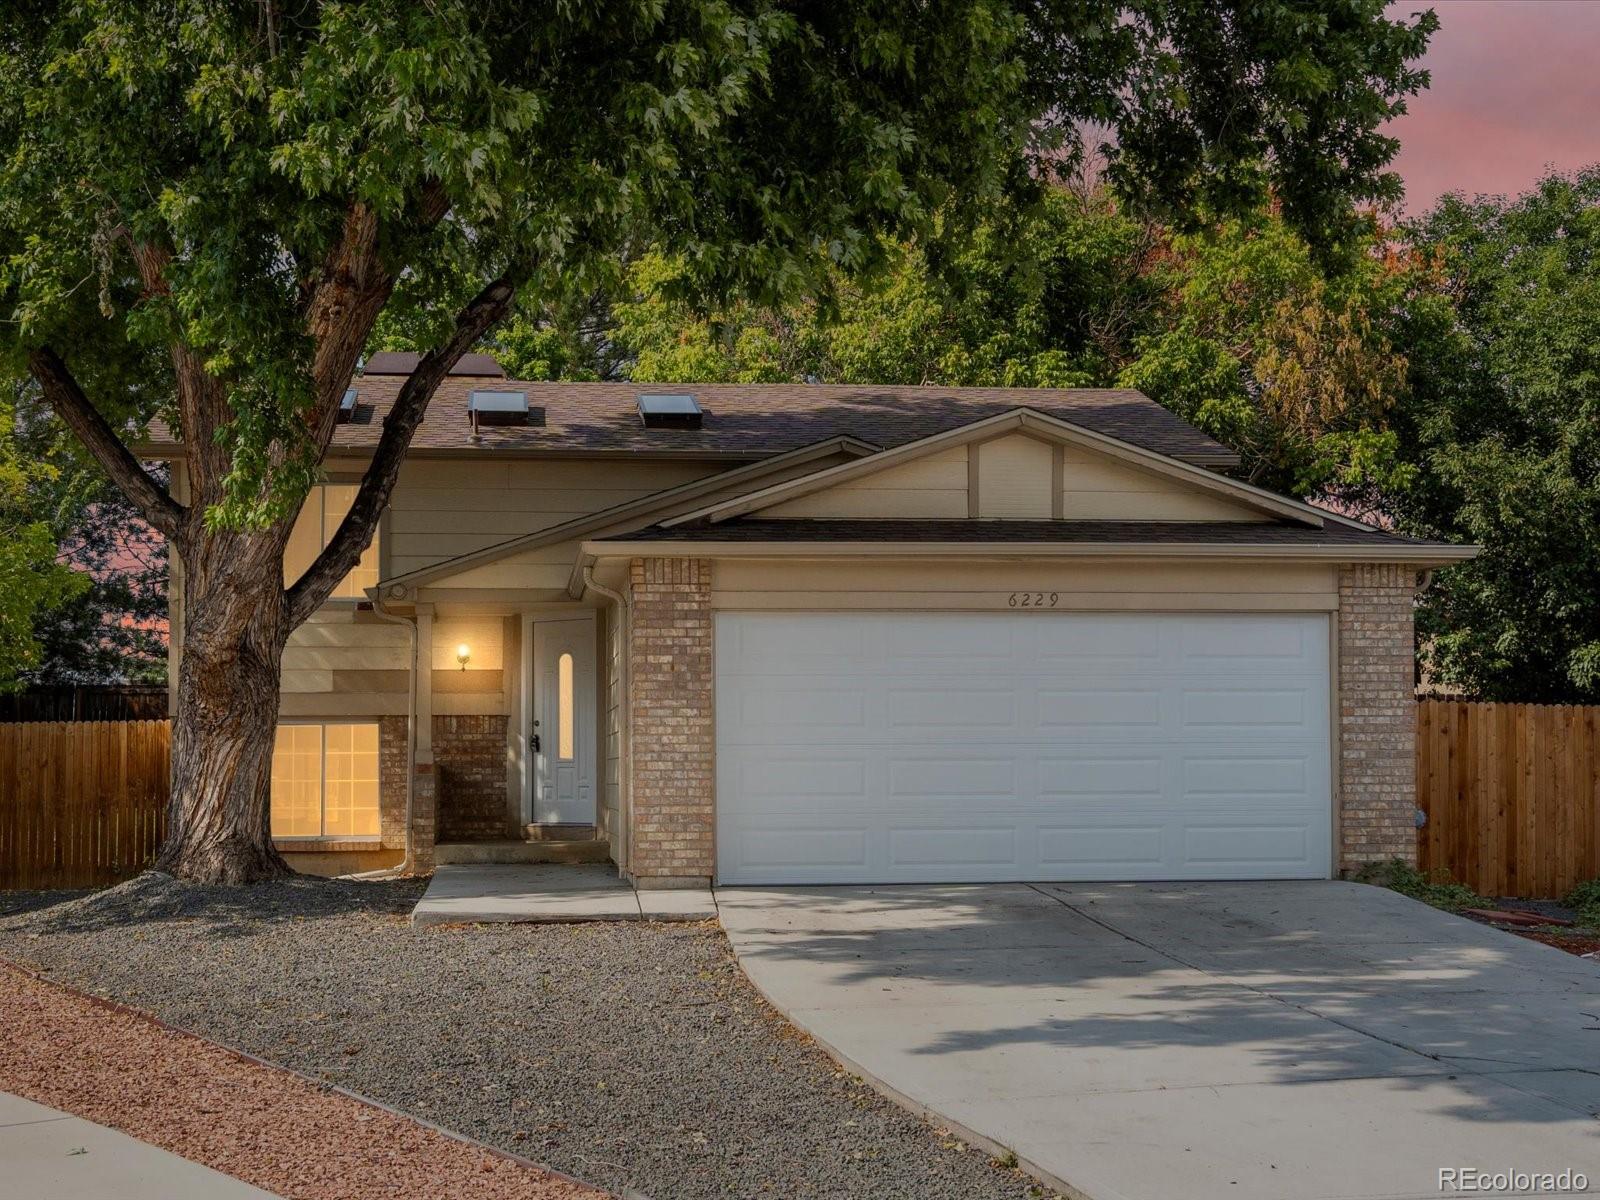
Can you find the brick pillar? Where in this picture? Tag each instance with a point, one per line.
(394, 763)
(424, 818)
(673, 755)
(1377, 715)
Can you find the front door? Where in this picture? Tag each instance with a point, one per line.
(561, 731)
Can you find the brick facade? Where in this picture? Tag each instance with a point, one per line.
(670, 673)
(393, 762)
(469, 758)
(1377, 715)
(424, 818)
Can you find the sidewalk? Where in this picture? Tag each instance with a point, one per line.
(50, 1155)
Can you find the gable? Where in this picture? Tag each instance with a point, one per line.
(1016, 476)
(544, 563)
(1098, 488)
(931, 486)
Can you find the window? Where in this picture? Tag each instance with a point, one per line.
(318, 521)
(669, 411)
(564, 707)
(325, 781)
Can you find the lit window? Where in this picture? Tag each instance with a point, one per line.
(564, 708)
(325, 507)
(325, 781)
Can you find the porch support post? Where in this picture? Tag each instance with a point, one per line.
(670, 707)
(424, 783)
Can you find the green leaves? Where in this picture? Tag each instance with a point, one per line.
(775, 154)
(1504, 427)
(32, 582)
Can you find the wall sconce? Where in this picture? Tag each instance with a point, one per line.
(463, 653)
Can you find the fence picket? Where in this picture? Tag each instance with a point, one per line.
(82, 804)
(1511, 793)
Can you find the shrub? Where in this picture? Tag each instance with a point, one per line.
(1585, 898)
(1432, 887)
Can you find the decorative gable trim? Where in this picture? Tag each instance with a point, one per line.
(1019, 420)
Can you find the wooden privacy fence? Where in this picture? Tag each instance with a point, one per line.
(82, 803)
(1511, 793)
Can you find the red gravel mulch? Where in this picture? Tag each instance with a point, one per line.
(269, 1127)
(1571, 942)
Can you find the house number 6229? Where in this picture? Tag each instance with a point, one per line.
(1034, 599)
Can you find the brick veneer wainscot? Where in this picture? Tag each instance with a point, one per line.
(469, 758)
(1377, 715)
(670, 707)
(393, 763)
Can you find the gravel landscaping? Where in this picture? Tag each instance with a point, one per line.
(273, 1129)
(633, 1056)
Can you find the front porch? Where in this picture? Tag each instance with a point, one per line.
(550, 893)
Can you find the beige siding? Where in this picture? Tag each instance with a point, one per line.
(749, 584)
(447, 507)
(345, 663)
(543, 568)
(1016, 478)
(492, 672)
(1097, 487)
(933, 486)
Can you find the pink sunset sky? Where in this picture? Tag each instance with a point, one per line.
(1516, 88)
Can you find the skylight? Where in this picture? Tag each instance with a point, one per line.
(669, 410)
(502, 408)
(347, 405)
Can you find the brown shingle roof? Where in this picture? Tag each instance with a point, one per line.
(757, 420)
(1203, 533)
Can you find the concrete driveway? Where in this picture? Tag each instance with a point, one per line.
(1146, 1042)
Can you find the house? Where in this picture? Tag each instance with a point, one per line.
(812, 634)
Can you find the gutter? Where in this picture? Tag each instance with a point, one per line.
(625, 710)
(1436, 556)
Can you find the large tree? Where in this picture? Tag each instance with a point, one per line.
(1502, 421)
(205, 207)
(1238, 328)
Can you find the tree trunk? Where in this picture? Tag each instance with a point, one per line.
(234, 630)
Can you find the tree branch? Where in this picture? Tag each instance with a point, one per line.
(355, 532)
(94, 431)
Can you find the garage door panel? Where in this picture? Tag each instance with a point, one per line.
(819, 852)
(914, 779)
(1246, 709)
(970, 747)
(1099, 775)
(955, 846)
(804, 779)
(1278, 776)
(1108, 644)
(952, 642)
(1079, 848)
(781, 708)
(1089, 706)
(1255, 846)
(1241, 645)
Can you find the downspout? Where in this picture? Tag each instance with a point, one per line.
(625, 709)
(411, 741)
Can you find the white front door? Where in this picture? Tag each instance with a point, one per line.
(931, 747)
(561, 722)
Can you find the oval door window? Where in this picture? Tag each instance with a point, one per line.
(564, 708)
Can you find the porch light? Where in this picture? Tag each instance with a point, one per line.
(463, 653)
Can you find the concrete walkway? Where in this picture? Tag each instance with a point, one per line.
(551, 894)
(1251, 1041)
(50, 1155)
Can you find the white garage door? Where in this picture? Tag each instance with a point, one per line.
(893, 747)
